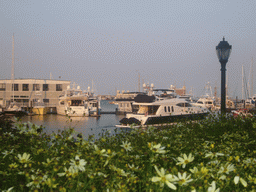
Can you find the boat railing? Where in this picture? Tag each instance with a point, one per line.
(37, 104)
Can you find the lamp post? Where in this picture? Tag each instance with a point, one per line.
(223, 51)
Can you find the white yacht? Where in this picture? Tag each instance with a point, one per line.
(75, 102)
(206, 102)
(161, 112)
(72, 103)
(92, 103)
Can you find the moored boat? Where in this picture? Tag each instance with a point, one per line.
(39, 108)
(14, 109)
(72, 103)
(162, 112)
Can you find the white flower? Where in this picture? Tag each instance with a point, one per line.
(5, 153)
(237, 179)
(78, 163)
(133, 167)
(183, 179)
(102, 152)
(157, 148)
(247, 161)
(251, 179)
(121, 172)
(213, 187)
(24, 158)
(216, 162)
(223, 177)
(164, 179)
(35, 182)
(66, 172)
(211, 155)
(185, 160)
(69, 172)
(194, 170)
(8, 190)
(126, 146)
(227, 168)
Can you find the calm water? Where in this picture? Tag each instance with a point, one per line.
(85, 125)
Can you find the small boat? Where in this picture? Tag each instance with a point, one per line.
(14, 109)
(162, 112)
(93, 106)
(39, 108)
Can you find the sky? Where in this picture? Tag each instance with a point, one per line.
(113, 43)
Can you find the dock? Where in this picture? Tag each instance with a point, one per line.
(108, 112)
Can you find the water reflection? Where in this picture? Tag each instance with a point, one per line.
(85, 125)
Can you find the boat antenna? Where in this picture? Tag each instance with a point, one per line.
(139, 82)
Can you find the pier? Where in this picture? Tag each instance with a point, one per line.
(108, 112)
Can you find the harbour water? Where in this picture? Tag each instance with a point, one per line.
(85, 125)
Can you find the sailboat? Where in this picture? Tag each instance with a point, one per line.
(14, 108)
(206, 100)
(251, 99)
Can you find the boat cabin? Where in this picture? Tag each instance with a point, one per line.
(163, 107)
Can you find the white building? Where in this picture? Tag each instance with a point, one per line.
(25, 91)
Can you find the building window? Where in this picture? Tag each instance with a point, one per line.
(2, 86)
(25, 87)
(36, 87)
(58, 87)
(46, 100)
(164, 108)
(15, 87)
(45, 87)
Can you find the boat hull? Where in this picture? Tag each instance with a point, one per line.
(72, 111)
(39, 110)
(174, 118)
(159, 120)
(15, 113)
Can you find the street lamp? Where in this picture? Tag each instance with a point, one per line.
(223, 51)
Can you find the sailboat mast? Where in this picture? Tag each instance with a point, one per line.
(92, 86)
(242, 82)
(139, 82)
(13, 57)
(13, 67)
(252, 79)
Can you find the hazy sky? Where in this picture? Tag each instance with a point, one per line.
(111, 42)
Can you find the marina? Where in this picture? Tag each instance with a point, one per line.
(130, 96)
(85, 125)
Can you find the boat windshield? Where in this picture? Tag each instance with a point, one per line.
(184, 105)
(149, 110)
(76, 103)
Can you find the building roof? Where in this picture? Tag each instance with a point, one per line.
(33, 80)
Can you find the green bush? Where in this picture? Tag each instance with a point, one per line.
(217, 153)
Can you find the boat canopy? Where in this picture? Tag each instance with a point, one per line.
(144, 98)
